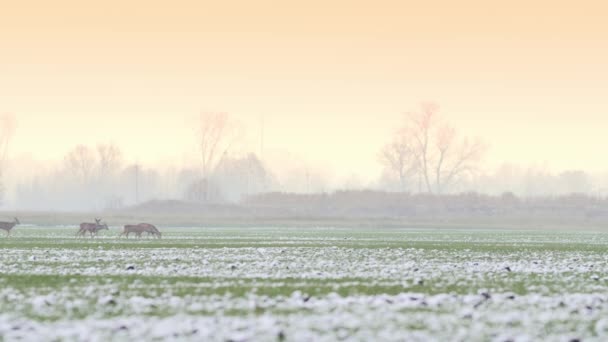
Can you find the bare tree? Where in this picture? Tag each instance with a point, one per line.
(109, 160)
(216, 134)
(431, 148)
(398, 157)
(109, 164)
(81, 163)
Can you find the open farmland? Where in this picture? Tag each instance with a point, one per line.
(274, 284)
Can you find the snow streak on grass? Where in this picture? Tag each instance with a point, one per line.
(304, 285)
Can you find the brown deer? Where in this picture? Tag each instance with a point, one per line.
(151, 229)
(139, 229)
(131, 228)
(91, 228)
(8, 226)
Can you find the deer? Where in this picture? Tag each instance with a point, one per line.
(92, 228)
(8, 226)
(151, 229)
(139, 229)
(86, 226)
(131, 228)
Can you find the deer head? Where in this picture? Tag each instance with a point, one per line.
(17, 221)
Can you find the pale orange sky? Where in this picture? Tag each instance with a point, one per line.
(332, 78)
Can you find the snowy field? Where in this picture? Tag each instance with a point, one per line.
(265, 284)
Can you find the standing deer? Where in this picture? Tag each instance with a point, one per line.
(92, 228)
(8, 226)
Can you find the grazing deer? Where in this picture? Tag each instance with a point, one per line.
(151, 229)
(8, 226)
(139, 229)
(131, 228)
(92, 228)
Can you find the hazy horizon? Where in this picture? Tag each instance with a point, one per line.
(331, 81)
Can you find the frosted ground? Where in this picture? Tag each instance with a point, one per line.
(266, 284)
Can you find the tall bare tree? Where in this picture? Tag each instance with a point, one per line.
(216, 134)
(399, 157)
(432, 149)
(81, 163)
(109, 160)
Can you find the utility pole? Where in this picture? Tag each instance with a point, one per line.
(262, 123)
(262, 138)
(136, 183)
(307, 181)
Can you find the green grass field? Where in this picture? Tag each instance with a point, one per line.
(270, 284)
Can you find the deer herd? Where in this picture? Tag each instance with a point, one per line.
(93, 228)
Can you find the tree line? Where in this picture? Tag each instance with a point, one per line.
(424, 155)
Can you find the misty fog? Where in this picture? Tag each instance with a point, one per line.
(98, 176)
